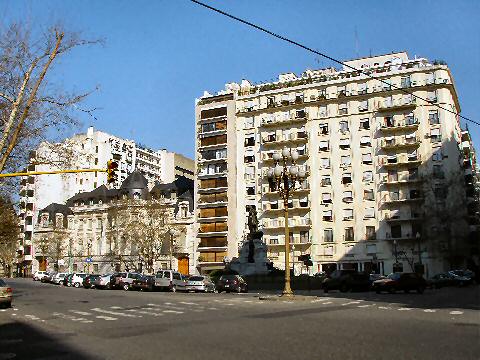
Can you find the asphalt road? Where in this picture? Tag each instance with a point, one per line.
(51, 322)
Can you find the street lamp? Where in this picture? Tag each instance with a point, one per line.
(89, 247)
(172, 234)
(284, 175)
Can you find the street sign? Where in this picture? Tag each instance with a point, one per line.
(88, 260)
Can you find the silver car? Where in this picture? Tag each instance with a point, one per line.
(6, 294)
(200, 283)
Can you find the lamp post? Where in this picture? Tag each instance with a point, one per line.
(89, 247)
(285, 174)
(172, 234)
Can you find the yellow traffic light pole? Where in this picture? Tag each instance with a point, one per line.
(51, 172)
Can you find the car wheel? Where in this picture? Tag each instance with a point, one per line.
(344, 288)
(77, 285)
(125, 287)
(420, 289)
(391, 290)
(378, 291)
(406, 291)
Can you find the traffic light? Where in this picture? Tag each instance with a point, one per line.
(307, 261)
(112, 167)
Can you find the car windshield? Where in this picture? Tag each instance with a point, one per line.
(228, 277)
(2, 283)
(196, 278)
(394, 276)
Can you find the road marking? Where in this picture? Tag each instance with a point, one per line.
(115, 313)
(15, 309)
(173, 312)
(366, 305)
(145, 312)
(456, 312)
(108, 318)
(32, 317)
(327, 303)
(429, 310)
(3, 310)
(212, 308)
(404, 309)
(384, 307)
(83, 313)
(187, 303)
(247, 301)
(14, 314)
(351, 303)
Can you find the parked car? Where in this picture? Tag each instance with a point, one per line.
(49, 277)
(375, 277)
(77, 279)
(229, 283)
(123, 280)
(6, 294)
(104, 281)
(58, 278)
(144, 282)
(401, 281)
(67, 280)
(346, 280)
(39, 275)
(170, 280)
(462, 277)
(440, 280)
(200, 283)
(88, 281)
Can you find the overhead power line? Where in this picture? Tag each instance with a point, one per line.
(283, 38)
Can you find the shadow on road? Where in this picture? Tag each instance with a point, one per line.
(21, 341)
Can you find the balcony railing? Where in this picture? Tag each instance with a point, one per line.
(396, 105)
(298, 137)
(294, 117)
(397, 143)
(400, 160)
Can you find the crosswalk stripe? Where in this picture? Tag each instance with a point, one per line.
(145, 312)
(83, 313)
(456, 312)
(187, 303)
(108, 318)
(351, 303)
(429, 310)
(405, 309)
(384, 307)
(114, 313)
(366, 305)
(173, 312)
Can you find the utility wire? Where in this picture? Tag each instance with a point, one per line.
(327, 57)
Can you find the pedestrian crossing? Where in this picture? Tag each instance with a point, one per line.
(164, 310)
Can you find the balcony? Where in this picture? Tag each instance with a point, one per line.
(304, 187)
(388, 199)
(403, 104)
(206, 175)
(405, 124)
(267, 157)
(296, 241)
(296, 205)
(398, 161)
(400, 143)
(294, 138)
(401, 237)
(279, 224)
(392, 218)
(399, 180)
(300, 117)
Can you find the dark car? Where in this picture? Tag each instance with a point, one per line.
(123, 280)
(461, 277)
(346, 280)
(144, 282)
(401, 281)
(229, 283)
(6, 294)
(89, 281)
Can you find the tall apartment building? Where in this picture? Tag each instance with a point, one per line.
(90, 150)
(381, 165)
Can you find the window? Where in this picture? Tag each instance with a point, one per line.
(341, 91)
(367, 159)
(323, 129)
(249, 122)
(364, 124)
(304, 238)
(326, 181)
(412, 173)
(342, 109)
(433, 117)
(328, 250)
(273, 241)
(439, 192)
(251, 190)
(322, 111)
(300, 114)
(343, 126)
(347, 178)
(323, 146)
(392, 175)
(369, 213)
(432, 96)
(371, 249)
(438, 172)
(394, 195)
(405, 82)
(370, 233)
(349, 235)
(347, 196)
(365, 141)
(367, 176)
(249, 159)
(249, 140)
(368, 194)
(435, 135)
(328, 235)
(346, 160)
(347, 214)
(388, 121)
(326, 198)
(344, 144)
(363, 106)
(327, 215)
(437, 156)
(430, 78)
(325, 163)
(395, 231)
(362, 89)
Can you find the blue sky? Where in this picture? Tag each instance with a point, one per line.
(160, 55)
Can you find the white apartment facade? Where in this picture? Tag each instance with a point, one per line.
(89, 150)
(375, 156)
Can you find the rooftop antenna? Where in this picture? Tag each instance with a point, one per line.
(356, 42)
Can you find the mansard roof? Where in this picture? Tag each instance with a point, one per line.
(136, 180)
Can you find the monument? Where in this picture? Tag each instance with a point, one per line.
(252, 258)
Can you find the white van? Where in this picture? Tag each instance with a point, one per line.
(170, 280)
(39, 275)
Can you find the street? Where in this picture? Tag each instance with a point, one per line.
(51, 322)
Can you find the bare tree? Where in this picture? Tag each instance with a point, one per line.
(9, 232)
(30, 104)
(54, 246)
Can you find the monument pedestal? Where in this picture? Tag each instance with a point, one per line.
(252, 257)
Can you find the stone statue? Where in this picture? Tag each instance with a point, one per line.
(252, 220)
